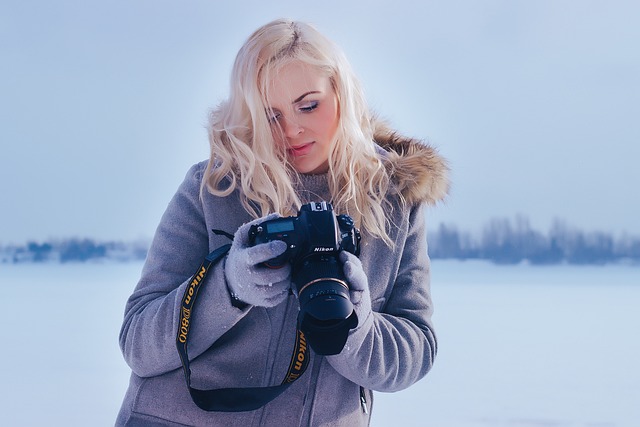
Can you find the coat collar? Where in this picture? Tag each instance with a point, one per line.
(416, 169)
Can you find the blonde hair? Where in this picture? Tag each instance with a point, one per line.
(245, 156)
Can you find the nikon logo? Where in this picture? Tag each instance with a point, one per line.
(186, 311)
(322, 249)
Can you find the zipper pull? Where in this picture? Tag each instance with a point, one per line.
(363, 401)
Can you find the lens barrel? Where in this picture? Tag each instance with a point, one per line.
(326, 312)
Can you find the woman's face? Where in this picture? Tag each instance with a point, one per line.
(303, 112)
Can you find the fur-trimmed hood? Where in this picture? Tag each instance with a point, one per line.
(417, 171)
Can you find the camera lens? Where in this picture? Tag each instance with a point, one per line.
(326, 313)
(326, 301)
(322, 290)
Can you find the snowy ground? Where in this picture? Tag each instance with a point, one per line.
(520, 346)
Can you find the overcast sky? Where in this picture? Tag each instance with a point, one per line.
(535, 104)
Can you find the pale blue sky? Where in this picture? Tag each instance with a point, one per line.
(536, 104)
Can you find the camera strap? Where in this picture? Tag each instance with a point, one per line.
(231, 399)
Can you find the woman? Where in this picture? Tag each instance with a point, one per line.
(295, 129)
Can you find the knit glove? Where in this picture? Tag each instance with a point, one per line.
(247, 279)
(358, 285)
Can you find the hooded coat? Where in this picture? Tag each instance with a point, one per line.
(247, 346)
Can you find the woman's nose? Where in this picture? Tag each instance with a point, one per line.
(292, 128)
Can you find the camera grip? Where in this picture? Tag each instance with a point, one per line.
(257, 236)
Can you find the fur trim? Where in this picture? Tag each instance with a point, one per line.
(416, 169)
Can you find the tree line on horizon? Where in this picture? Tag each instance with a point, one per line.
(501, 241)
(73, 250)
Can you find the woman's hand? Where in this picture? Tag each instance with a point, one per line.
(358, 285)
(250, 281)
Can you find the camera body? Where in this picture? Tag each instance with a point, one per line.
(314, 232)
(315, 238)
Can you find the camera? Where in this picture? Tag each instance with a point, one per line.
(314, 239)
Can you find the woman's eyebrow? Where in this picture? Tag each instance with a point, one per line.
(301, 97)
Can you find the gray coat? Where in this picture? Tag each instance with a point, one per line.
(252, 346)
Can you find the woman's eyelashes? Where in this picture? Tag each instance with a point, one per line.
(309, 106)
(306, 107)
(273, 116)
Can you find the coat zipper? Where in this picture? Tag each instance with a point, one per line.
(363, 401)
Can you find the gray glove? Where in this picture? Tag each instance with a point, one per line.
(358, 285)
(247, 279)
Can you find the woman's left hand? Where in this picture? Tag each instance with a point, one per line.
(358, 285)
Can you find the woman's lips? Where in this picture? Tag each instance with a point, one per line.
(300, 150)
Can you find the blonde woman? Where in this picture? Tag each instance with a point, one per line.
(295, 129)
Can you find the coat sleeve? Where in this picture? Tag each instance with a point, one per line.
(148, 333)
(394, 348)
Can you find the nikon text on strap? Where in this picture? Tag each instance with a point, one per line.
(230, 399)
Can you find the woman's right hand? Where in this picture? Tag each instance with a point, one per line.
(247, 278)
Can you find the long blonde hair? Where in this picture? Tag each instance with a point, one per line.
(244, 153)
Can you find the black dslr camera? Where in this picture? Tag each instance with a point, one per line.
(314, 239)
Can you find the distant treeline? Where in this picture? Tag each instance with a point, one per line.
(501, 241)
(73, 250)
(504, 241)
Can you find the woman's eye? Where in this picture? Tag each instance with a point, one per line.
(273, 116)
(308, 106)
